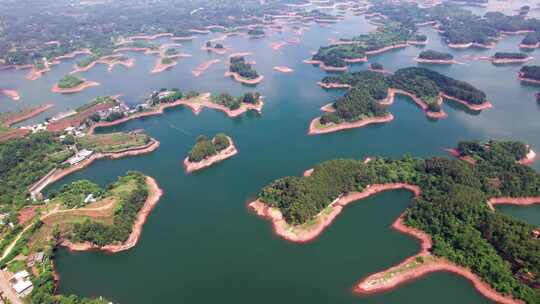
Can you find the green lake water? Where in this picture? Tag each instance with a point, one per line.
(201, 244)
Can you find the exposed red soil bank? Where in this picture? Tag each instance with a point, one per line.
(13, 94)
(528, 80)
(334, 85)
(26, 214)
(203, 67)
(154, 194)
(325, 67)
(283, 69)
(310, 231)
(79, 88)
(12, 134)
(434, 61)
(410, 270)
(25, 114)
(219, 51)
(77, 119)
(520, 201)
(222, 155)
(243, 80)
(149, 37)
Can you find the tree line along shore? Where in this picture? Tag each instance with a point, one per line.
(497, 252)
(369, 94)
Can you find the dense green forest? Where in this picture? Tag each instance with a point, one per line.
(69, 81)
(507, 55)
(435, 55)
(369, 87)
(130, 202)
(204, 147)
(361, 101)
(531, 38)
(530, 71)
(73, 195)
(493, 150)
(239, 65)
(24, 162)
(234, 103)
(452, 208)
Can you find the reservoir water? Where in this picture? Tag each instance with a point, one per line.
(201, 245)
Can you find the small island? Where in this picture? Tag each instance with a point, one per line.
(389, 36)
(217, 48)
(243, 71)
(256, 33)
(530, 41)
(530, 74)
(70, 84)
(507, 58)
(371, 93)
(12, 94)
(435, 57)
(450, 214)
(207, 152)
(283, 69)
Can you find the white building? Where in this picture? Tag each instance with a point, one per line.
(21, 283)
(79, 157)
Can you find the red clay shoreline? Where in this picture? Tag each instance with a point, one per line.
(243, 80)
(313, 130)
(435, 61)
(22, 116)
(308, 234)
(377, 282)
(12, 94)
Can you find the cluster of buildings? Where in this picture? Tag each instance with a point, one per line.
(79, 156)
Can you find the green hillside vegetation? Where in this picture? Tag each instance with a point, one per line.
(24, 161)
(452, 208)
(387, 35)
(507, 55)
(239, 65)
(234, 103)
(435, 55)
(204, 147)
(370, 87)
(69, 81)
(530, 71)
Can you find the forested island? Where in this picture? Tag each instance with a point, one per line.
(243, 71)
(431, 56)
(370, 93)
(506, 57)
(450, 214)
(72, 84)
(387, 37)
(207, 152)
(531, 40)
(530, 74)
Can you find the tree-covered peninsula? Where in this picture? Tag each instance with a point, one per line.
(371, 93)
(450, 207)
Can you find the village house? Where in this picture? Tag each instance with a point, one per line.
(21, 283)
